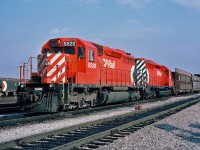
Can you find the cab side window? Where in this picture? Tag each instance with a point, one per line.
(167, 72)
(46, 50)
(81, 52)
(91, 55)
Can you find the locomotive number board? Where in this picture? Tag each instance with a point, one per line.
(69, 43)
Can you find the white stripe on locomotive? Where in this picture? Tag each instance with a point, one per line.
(55, 66)
(54, 58)
(141, 76)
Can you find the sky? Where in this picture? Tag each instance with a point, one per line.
(165, 31)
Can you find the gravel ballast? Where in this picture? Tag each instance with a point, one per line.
(12, 133)
(180, 131)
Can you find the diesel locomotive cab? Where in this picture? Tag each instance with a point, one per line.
(57, 65)
(58, 61)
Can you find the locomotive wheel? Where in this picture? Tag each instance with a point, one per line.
(82, 103)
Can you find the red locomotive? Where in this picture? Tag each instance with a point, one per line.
(74, 73)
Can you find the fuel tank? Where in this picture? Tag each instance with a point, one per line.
(112, 97)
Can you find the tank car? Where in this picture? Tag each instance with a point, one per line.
(74, 73)
(8, 86)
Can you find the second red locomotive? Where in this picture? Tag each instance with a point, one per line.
(74, 73)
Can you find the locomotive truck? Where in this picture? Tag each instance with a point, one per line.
(75, 73)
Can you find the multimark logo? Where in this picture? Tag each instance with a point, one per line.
(109, 63)
(92, 65)
(159, 73)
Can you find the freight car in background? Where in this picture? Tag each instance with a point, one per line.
(8, 86)
(185, 82)
(182, 81)
(196, 83)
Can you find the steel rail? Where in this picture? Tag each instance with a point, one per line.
(78, 142)
(8, 100)
(12, 121)
(100, 135)
(8, 104)
(9, 108)
(24, 119)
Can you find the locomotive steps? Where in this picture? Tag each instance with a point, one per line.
(78, 135)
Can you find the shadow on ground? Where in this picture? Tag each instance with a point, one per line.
(187, 135)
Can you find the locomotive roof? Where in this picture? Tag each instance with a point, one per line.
(154, 63)
(88, 44)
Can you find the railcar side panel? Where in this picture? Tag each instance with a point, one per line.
(196, 83)
(183, 81)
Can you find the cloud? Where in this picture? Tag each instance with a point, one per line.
(189, 3)
(136, 4)
(59, 30)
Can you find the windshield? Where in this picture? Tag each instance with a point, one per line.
(66, 50)
(69, 50)
(46, 50)
(57, 50)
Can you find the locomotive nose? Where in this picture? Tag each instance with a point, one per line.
(57, 67)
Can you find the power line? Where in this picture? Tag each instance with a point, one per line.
(7, 66)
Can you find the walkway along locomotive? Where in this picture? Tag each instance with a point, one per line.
(74, 73)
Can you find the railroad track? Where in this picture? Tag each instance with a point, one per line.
(9, 108)
(37, 117)
(24, 118)
(96, 133)
(8, 105)
(7, 100)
